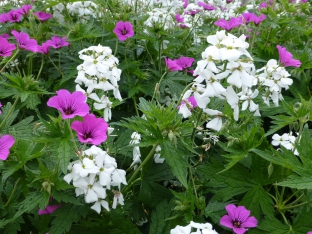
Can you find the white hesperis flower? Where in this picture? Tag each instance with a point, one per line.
(103, 103)
(71, 175)
(85, 168)
(118, 178)
(97, 206)
(157, 155)
(209, 57)
(215, 123)
(197, 90)
(213, 85)
(240, 74)
(181, 230)
(118, 199)
(248, 100)
(233, 100)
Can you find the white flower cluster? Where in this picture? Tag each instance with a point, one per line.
(99, 72)
(224, 9)
(160, 18)
(274, 77)
(84, 10)
(287, 140)
(95, 173)
(12, 2)
(227, 59)
(201, 228)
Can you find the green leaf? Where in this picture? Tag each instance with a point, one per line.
(215, 210)
(257, 199)
(273, 226)
(162, 211)
(66, 215)
(298, 182)
(176, 159)
(65, 153)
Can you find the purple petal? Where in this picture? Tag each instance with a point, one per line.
(239, 230)
(250, 222)
(226, 221)
(242, 213)
(231, 209)
(6, 143)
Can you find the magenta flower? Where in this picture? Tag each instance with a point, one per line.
(4, 18)
(0, 107)
(44, 48)
(184, 62)
(123, 30)
(178, 18)
(5, 35)
(191, 100)
(233, 23)
(6, 143)
(263, 5)
(185, 3)
(92, 130)
(309, 232)
(5, 47)
(206, 6)
(48, 210)
(172, 65)
(15, 15)
(56, 42)
(24, 41)
(70, 105)
(286, 58)
(25, 9)
(238, 219)
(42, 16)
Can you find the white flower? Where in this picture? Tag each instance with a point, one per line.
(99, 204)
(86, 167)
(157, 154)
(216, 123)
(118, 177)
(118, 199)
(233, 101)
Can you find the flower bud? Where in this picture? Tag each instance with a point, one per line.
(270, 169)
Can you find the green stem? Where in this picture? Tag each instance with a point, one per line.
(191, 175)
(116, 48)
(295, 206)
(58, 69)
(158, 85)
(40, 70)
(10, 112)
(197, 121)
(285, 220)
(296, 201)
(72, 135)
(291, 197)
(135, 106)
(12, 193)
(151, 153)
(9, 60)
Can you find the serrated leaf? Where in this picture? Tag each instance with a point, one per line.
(66, 215)
(159, 215)
(298, 182)
(215, 210)
(273, 226)
(65, 153)
(174, 157)
(256, 200)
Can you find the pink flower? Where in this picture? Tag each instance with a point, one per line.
(44, 48)
(238, 219)
(185, 3)
(172, 65)
(178, 18)
(123, 30)
(233, 23)
(191, 100)
(286, 58)
(48, 210)
(5, 47)
(92, 130)
(25, 9)
(6, 143)
(184, 62)
(5, 35)
(309, 232)
(263, 5)
(4, 18)
(15, 15)
(206, 6)
(24, 41)
(56, 42)
(70, 105)
(42, 16)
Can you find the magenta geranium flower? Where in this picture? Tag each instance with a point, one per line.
(44, 48)
(92, 130)
(238, 218)
(184, 62)
(233, 23)
(172, 65)
(6, 143)
(123, 30)
(43, 16)
(25, 9)
(286, 58)
(178, 18)
(69, 104)
(206, 6)
(4, 18)
(56, 42)
(191, 100)
(24, 41)
(15, 15)
(5, 35)
(48, 210)
(5, 47)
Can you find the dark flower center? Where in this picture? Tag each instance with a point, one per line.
(68, 111)
(236, 223)
(87, 135)
(124, 32)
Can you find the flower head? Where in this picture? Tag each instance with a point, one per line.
(5, 47)
(70, 105)
(43, 16)
(48, 210)
(6, 143)
(184, 62)
(172, 65)
(123, 30)
(56, 42)
(24, 41)
(15, 15)
(238, 219)
(92, 130)
(25, 9)
(286, 58)
(44, 48)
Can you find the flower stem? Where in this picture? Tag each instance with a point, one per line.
(40, 70)
(158, 85)
(9, 60)
(12, 193)
(10, 112)
(72, 135)
(151, 153)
